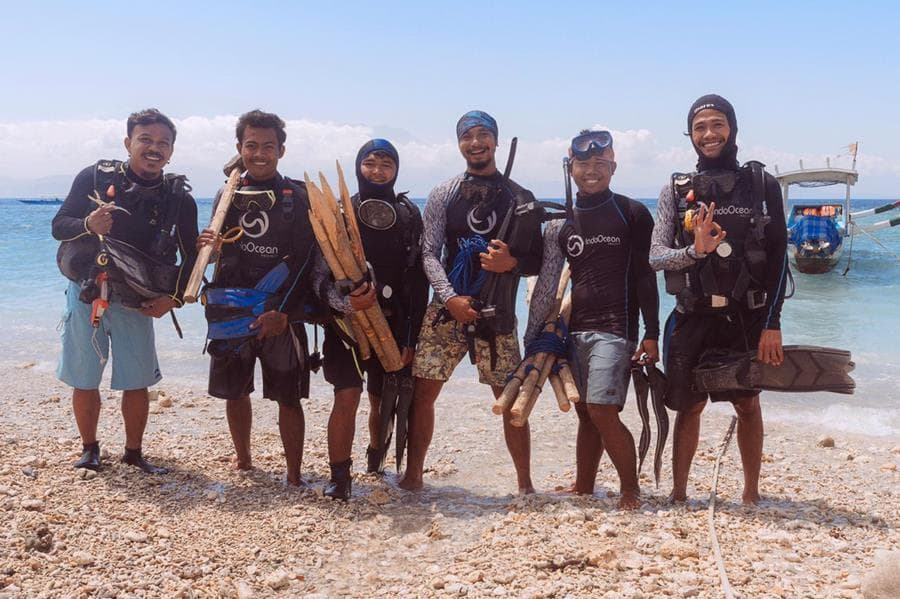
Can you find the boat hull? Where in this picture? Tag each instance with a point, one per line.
(815, 264)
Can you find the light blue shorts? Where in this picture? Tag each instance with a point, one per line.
(85, 350)
(603, 366)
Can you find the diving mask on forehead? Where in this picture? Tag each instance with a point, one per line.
(377, 214)
(590, 143)
(254, 198)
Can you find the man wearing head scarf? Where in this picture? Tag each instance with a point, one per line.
(391, 229)
(720, 237)
(474, 264)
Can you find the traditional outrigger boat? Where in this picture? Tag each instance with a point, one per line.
(816, 230)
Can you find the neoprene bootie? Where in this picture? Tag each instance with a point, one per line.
(90, 457)
(341, 485)
(133, 457)
(374, 461)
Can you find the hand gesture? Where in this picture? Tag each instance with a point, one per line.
(707, 233)
(460, 308)
(363, 297)
(100, 221)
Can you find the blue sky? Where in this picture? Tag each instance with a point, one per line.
(806, 78)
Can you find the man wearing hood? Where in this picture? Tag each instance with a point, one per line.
(721, 240)
(391, 229)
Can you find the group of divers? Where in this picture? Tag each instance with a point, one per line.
(129, 240)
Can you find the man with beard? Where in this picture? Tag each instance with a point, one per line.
(721, 239)
(391, 229)
(130, 207)
(475, 287)
(266, 280)
(606, 240)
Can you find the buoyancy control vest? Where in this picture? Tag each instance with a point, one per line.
(269, 237)
(134, 274)
(391, 232)
(479, 209)
(734, 274)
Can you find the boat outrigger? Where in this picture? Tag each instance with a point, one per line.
(816, 230)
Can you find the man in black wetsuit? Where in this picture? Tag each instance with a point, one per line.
(606, 241)
(275, 253)
(136, 208)
(391, 228)
(463, 219)
(721, 238)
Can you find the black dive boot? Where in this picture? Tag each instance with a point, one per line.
(133, 457)
(374, 461)
(90, 457)
(341, 483)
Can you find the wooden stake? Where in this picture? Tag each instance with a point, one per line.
(233, 170)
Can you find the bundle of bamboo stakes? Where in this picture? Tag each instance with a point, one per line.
(337, 232)
(521, 392)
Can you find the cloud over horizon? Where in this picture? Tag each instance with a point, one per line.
(42, 157)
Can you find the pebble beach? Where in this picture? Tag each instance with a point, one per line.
(827, 526)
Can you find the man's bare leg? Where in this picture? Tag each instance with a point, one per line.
(518, 443)
(292, 426)
(421, 429)
(239, 413)
(86, 406)
(750, 443)
(374, 416)
(342, 424)
(135, 408)
(619, 445)
(685, 437)
(588, 451)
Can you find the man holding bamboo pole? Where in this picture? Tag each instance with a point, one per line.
(268, 271)
(606, 241)
(482, 233)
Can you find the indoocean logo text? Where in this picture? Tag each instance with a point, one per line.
(257, 248)
(734, 210)
(607, 239)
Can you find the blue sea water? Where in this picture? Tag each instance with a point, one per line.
(858, 312)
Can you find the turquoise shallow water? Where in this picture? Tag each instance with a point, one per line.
(859, 312)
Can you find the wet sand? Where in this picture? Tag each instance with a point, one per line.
(827, 527)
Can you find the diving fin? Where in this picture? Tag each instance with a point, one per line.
(642, 392)
(805, 368)
(389, 394)
(658, 384)
(404, 403)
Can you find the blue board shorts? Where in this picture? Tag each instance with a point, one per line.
(85, 350)
(602, 367)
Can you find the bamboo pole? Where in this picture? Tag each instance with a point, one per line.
(559, 391)
(511, 389)
(233, 170)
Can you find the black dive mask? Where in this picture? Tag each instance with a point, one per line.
(715, 184)
(251, 197)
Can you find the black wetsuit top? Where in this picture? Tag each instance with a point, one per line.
(280, 233)
(611, 274)
(396, 258)
(141, 228)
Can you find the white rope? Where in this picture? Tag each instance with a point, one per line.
(723, 447)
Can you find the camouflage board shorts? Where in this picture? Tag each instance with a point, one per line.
(443, 344)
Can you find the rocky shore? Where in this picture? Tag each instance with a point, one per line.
(827, 527)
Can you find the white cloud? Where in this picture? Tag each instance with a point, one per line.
(53, 151)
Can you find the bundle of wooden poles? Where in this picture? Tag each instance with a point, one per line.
(521, 392)
(337, 231)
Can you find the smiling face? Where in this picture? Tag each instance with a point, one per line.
(594, 174)
(710, 132)
(478, 146)
(149, 149)
(378, 168)
(260, 152)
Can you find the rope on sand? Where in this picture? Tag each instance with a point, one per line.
(723, 447)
